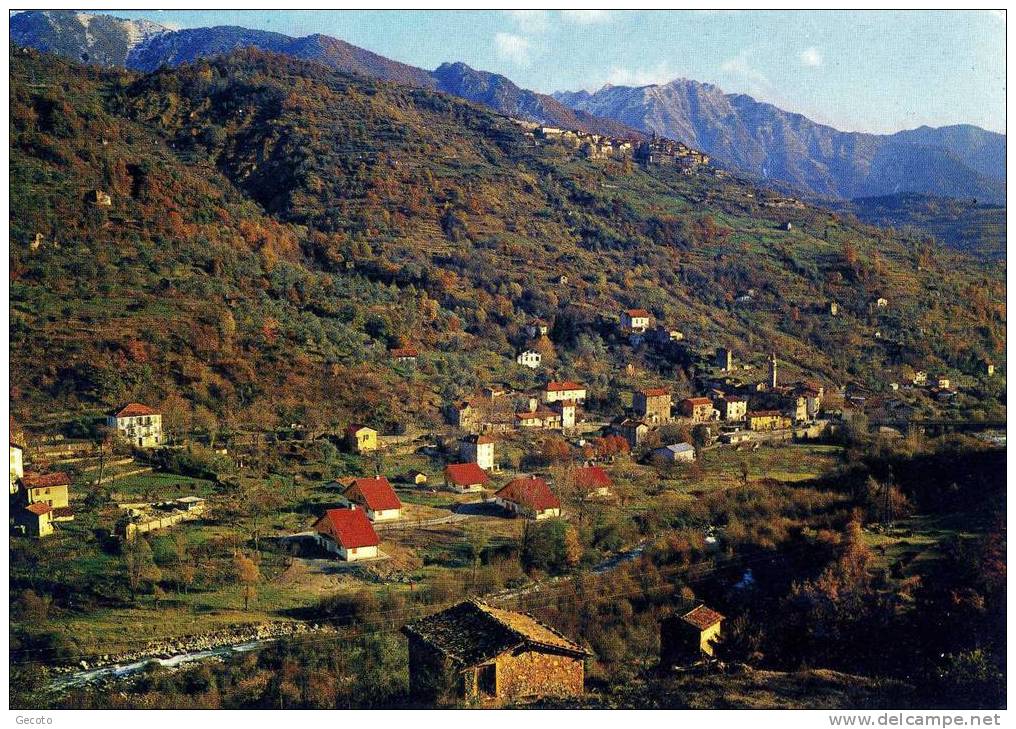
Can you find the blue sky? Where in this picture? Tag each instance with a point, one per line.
(868, 71)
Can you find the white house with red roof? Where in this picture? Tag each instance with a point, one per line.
(138, 424)
(465, 478)
(530, 498)
(593, 482)
(377, 497)
(347, 533)
(565, 390)
(635, 320)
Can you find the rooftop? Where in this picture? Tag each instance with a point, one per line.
(133, 410)
(375, 493)
(474, 632)
(532, 492)
(351, 527)
(466, 474)
(45, 480)
(702, 617)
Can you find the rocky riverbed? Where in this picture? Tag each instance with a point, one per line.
(173, 652)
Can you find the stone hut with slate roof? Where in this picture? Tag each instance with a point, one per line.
(473, 652)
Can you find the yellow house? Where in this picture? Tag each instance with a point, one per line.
(46, 488)
(34, 520)
(689, 635)
(767, 420)
(361, 439)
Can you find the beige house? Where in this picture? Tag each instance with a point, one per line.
(138, 424)
(465, 478)
(46, 488)
(34, 520)
(566, 390)
(732, 407)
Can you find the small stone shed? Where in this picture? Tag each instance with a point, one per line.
(476, 653)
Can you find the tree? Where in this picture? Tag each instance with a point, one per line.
(247, 576)
(139, 564)
(700, 437)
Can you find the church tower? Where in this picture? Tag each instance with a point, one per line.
(772, 371)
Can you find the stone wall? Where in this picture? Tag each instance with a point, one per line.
(533, 673)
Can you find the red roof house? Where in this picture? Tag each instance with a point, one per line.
(593, 481)
(133, 410)
(566, 386)
(45, 480)
(465, 477)
(529, 497)
(348, 533)
(377, 496)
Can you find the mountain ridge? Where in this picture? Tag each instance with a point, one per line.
(750, 136)
(759, 138)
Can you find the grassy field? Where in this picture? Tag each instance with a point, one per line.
(424, 555)
(160, 487)
(912, 544)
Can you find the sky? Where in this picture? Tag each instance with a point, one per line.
(869, 71)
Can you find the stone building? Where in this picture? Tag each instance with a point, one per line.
(699, 409)
(475, 653)
(732, 407)
(632, 430)
(652, 404)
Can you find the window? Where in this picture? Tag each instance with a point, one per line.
(486, 680)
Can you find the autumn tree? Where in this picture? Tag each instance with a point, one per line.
(247, 575)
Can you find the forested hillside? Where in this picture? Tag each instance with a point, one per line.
(276, 226)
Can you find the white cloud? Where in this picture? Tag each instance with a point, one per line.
(586, 17)
(661, 73)
(512, 47)
(530, 21)
(811, 57)
(740, 68)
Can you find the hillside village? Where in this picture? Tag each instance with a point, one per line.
(636, 470)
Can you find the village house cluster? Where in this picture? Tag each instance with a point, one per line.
(652, 151)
